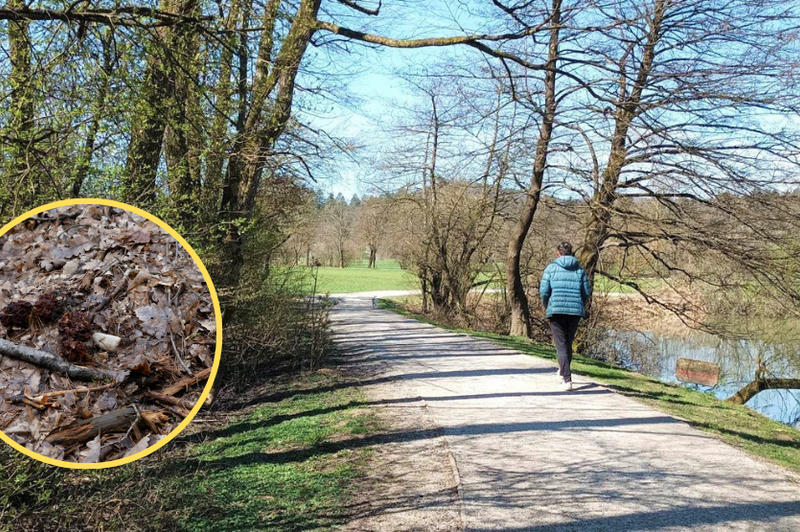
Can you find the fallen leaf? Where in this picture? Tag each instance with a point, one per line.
(140, 237)
(209, 325)
(92, 453)
(140, 446)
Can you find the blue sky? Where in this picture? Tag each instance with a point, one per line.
(375, 81)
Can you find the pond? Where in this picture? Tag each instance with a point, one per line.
(656, 355)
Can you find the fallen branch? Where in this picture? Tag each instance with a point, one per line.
(52, 362)
(56, 219)
(84, 430)
(175, 405)
(753, 388)
(118, 420)
(187, 381)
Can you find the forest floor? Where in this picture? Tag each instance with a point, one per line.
(521, 455)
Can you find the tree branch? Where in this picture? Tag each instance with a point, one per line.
(355, 5)
(121, 16)
(52, 362)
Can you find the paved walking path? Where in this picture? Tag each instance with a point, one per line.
(530, 457)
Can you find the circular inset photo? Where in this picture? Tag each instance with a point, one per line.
(109, 333)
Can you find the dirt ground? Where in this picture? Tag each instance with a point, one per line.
(412, 484)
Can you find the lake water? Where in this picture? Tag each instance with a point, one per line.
(657, 355)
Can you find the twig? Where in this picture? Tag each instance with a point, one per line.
(103, 304)
(178, 355)
(186, 381)
(172, 338)
(26, 400)
(175, 403)
(138, 417)
(190, 287)
(48, 395)
(64, 232)
(52, 362)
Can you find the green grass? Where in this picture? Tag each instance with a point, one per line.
(382, 264)
(605, 286)
(344, 280)
(734, 424)
(272, 477)
(280, 467)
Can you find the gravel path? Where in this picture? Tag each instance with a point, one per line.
(522, 455)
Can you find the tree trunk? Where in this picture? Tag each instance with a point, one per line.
(223, 108)
(157, 106)
(627, 109)
(520, 312)
(759, 385)
(19, 186)
(373, 256)
(253, 145)
(85, 161)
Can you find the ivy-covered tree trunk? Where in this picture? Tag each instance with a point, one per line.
(219, 134)
(157, 105)
(84, 162)
(19, 183)
(184, 136)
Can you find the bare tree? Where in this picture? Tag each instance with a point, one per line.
(370, 226)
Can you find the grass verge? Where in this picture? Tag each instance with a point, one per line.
(733, 424)
(268, 468)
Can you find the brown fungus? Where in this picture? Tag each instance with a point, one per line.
(16, 314)
(45, 306)
(75, 326)
(74, 350)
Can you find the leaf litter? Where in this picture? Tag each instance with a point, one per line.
(151, 326)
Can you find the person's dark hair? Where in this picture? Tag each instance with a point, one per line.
(565, 248)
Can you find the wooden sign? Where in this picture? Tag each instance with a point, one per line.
(697, 372)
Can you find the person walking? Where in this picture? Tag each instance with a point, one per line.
(564, 291)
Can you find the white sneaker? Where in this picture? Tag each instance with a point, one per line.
(566, 386)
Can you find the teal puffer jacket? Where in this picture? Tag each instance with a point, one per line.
(565, 287)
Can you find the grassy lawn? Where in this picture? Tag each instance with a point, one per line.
(733, 424)
(274, 467)
(382, 264)
(343, 280)
(389, 276)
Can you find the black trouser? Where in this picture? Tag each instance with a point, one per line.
(564, 328)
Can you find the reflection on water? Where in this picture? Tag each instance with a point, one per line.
(657, 355)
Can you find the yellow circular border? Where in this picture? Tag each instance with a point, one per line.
(217, 317)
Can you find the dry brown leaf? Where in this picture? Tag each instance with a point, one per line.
(92, 453)
(140, 237)
(140, 446)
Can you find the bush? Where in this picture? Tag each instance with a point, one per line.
(274, 326)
